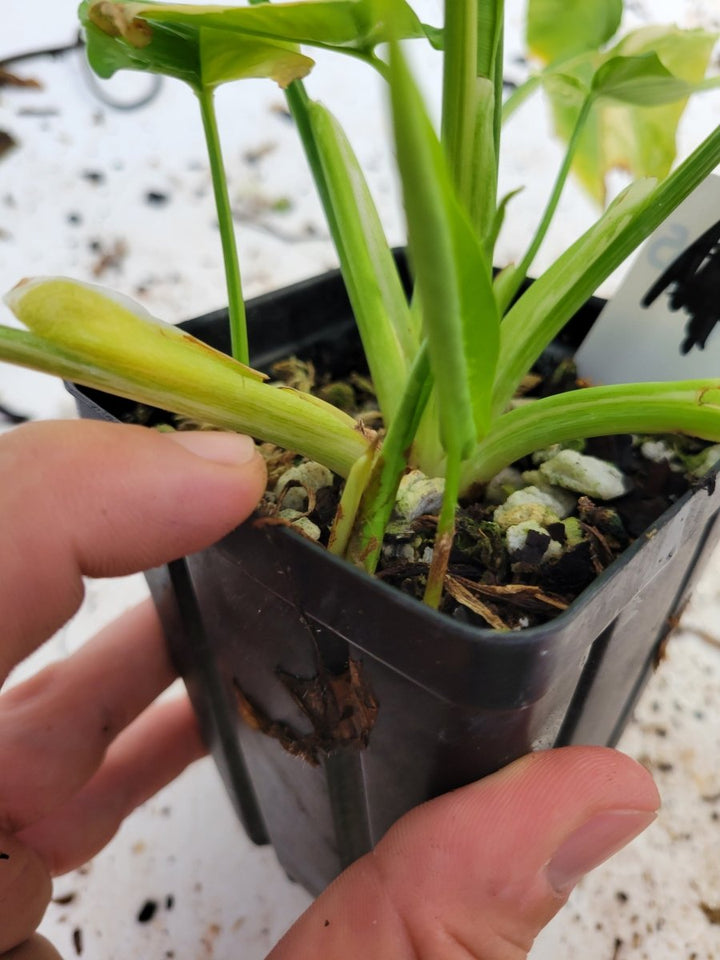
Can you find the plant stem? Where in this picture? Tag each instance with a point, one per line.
(491, 29)
(391, 460)
(298, 102)
(445, 533)
(691, 407)
(236, 305)
(510, 281)
(459, 106)
(497, 78)
(346, 513)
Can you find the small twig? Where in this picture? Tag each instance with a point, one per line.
(702, 634)
(78, 44)
(45, 52)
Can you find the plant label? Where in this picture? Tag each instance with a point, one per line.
(664, 321)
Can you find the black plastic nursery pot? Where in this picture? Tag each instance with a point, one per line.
(333, 703)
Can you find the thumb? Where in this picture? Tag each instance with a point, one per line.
(479, 872)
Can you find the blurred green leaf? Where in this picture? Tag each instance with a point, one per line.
(651, 64)
(644, 81)
(558, 29)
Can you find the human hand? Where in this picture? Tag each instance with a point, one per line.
(475, 874)
(80, 746)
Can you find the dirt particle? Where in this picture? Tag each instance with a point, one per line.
(712, 913)
(109, 257)
(7, 142)
(621, 896)
(93, 176)
(169, 901)
(147, 911)
(281, 111)
(327, 923)
(156, 198)
(65, 899)
(8, 79)
(77, 938)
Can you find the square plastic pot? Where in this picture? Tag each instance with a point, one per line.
(454, 702)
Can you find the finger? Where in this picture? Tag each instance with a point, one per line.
(36, 948)
(56, 727)
(152, 752)
(25, 891)
(102, 499)
(479, 872)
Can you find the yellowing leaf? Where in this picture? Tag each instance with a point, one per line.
(638, 139)
(558, 29)
(82, 317)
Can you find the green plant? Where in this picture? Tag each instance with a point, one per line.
(446, 364)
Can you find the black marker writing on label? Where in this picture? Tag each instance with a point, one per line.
(693, 279)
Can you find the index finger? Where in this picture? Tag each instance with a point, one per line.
(97, 499)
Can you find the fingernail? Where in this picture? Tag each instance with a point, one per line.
(594, 842)
(232, 449)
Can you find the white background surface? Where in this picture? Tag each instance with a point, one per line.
(230, 899)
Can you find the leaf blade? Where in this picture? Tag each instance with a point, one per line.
(453, 276)
(350, 25)
(379, 302)
(79, 332)
(558, 29)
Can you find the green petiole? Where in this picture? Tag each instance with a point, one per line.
(236, 303)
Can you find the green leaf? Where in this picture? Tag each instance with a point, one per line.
(103, 340)
(640, 139)
(203, 57)
(371, 277)
(350, 25)
(559, 29)
(452, 273)
(690, 407)
(644, 81)
(225, 57)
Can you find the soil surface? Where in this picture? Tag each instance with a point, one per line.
(488, 583)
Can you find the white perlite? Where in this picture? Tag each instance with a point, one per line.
(657, 451)
(516, 538)
(418, 495)
(301, 523)
(532, 503)
(309, 476)
(584, 474)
